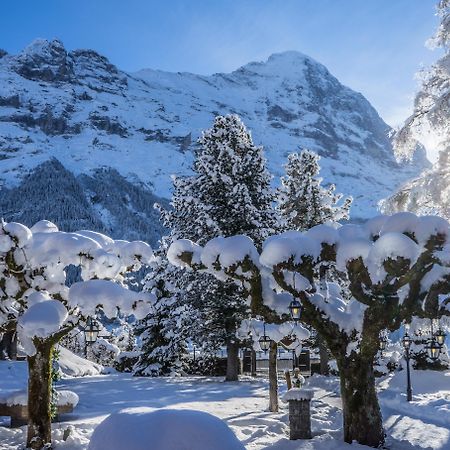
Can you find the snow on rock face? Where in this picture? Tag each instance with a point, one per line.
(164, 429)
(145, 125)
(42, 319)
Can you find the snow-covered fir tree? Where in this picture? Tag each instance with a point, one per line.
(302, 200)
(303, 203)
(165, 332)
(229, 193)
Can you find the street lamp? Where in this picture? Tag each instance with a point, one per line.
(433, 349)
(91, 332)
(406, 341)
(383, 342)
(264, 341)
(295, 309)
(440, 336)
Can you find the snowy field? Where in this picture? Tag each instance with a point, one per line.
(423, 424)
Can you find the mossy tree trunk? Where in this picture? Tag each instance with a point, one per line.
(39, 392)
(361, 411)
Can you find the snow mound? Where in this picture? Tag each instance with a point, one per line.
(164, 429)
(72, 365)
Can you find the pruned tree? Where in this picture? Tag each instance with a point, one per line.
(34, 295)
(398, 268)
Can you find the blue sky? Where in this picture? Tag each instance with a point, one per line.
(373, 46)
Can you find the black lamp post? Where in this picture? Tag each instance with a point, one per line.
(433, 348)
(406, 341)
(295, 310)
(440, 336)
(91, 332)
(264, 341)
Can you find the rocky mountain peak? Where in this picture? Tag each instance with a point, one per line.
(78, 107)
(44, 60)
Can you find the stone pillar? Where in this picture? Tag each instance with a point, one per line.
(299, 401)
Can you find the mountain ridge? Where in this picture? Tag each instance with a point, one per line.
(78, 107)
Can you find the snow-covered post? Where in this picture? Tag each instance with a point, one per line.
(397, 267)
(34, 294)
(299, 401)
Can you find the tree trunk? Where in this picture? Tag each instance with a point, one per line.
(39, 393)
(232, 361)
(362, 416)
(323, 353)
(8, 345)
(253, 362)
(273, 377)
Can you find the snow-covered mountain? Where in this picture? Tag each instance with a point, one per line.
(104, 125)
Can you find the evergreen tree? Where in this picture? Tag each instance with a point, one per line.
(229, 193)
(164, 333)
(304, 203)
(302, 200)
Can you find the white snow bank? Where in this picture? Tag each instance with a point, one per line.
(403, 222)
(18, 231)
(164, 429)
(20, 397)
(72, 365)
(298, 394)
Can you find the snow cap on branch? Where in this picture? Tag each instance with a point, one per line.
(108, 295)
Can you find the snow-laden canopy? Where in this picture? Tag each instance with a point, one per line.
(403, 259)
(34, 290)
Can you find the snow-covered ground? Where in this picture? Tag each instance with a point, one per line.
(422, 424)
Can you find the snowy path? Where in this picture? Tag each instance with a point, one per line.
(424, 424)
